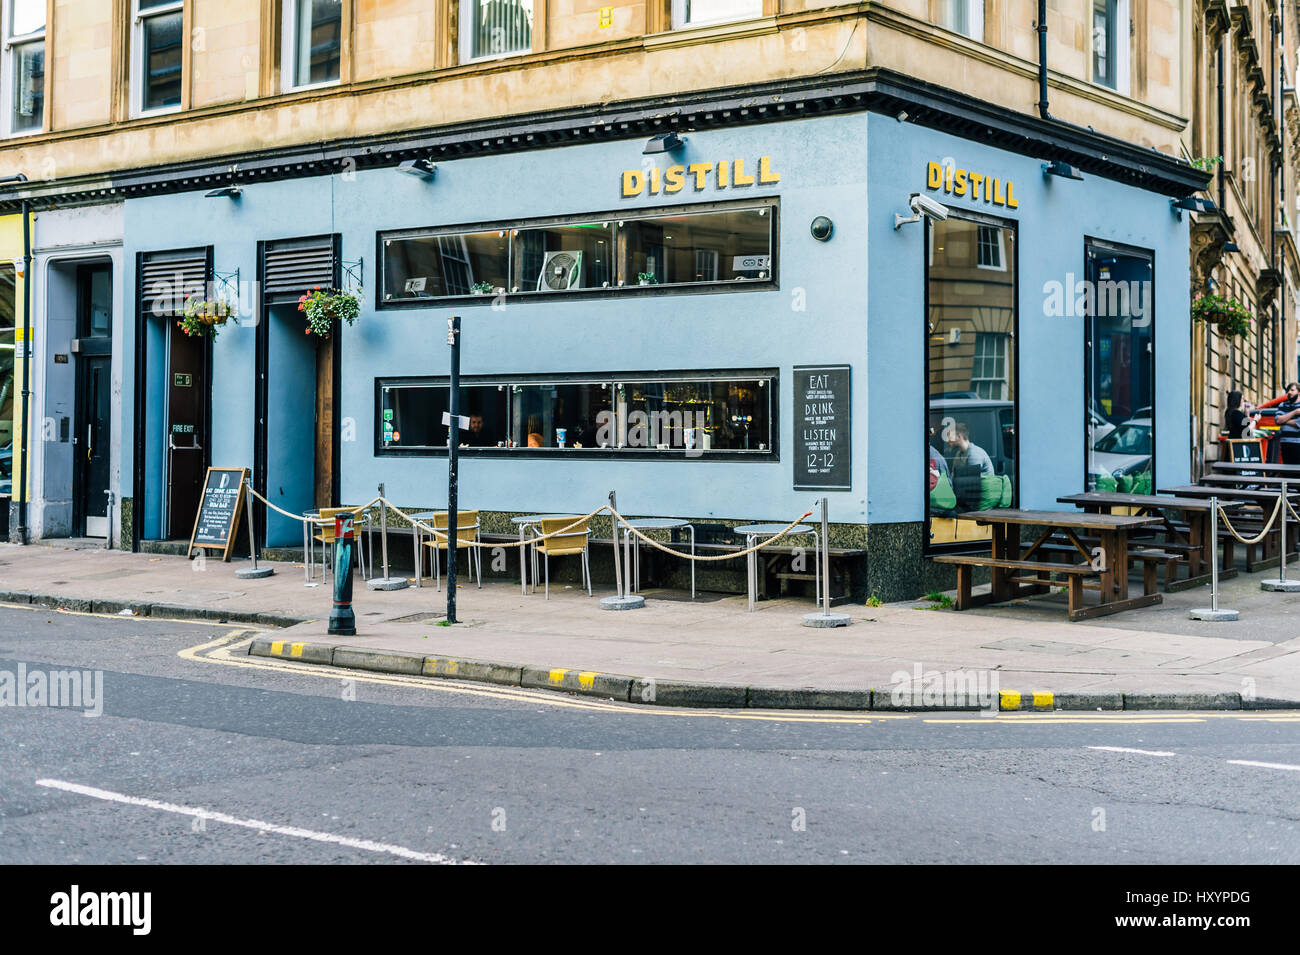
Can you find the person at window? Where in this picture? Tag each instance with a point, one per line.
(1288, 421)
(938, 466)
(966, 453)
(1239, 417)
(475, 436)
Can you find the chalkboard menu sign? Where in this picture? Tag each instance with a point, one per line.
(822, 432)
(219, 510)
(1246, 450)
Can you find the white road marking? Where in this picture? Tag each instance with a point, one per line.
(1140, 752)
(207, 814)
(1251, 762)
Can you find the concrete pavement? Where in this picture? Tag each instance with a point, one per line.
(1030, 645)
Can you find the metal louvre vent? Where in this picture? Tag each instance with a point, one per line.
(292, 267)
(168, 278)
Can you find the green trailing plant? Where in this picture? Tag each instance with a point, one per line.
(1228, 314)
(647, 278)
(1205, 163)
(324, 307)
(481, 288)
(200, 316)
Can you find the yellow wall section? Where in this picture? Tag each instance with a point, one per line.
(11, 247)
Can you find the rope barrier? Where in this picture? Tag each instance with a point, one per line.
(731, 556)
(618, 518)
(1277, 508)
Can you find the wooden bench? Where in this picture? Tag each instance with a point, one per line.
(1151, 558)
(965, 562)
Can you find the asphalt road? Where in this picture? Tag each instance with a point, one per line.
(218, 758)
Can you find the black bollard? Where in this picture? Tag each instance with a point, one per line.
(343, 621)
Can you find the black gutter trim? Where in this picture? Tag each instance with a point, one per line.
(878, 90)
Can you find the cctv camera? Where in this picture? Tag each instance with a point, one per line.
(925, 206)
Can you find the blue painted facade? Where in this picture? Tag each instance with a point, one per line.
(856, 299)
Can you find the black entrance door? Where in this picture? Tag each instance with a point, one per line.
(187, 395)
(94, 427)
(94, 445)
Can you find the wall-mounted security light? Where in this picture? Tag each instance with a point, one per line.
(1061, 169)
(1191, 204)
(923, 207)
(228, 192)
(419, 168)
(902, 116)
(822, 228)
(663, 143)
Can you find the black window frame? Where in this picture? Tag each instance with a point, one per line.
(1119, 248)
(771, 455)
(1013, 259)
(771, 282)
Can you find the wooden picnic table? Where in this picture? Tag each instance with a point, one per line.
(1265, 481)
(1110, 564)
(1235, 498)
(1273, 469)
(1196, 511)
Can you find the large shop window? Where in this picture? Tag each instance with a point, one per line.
(687, 247)
(8, 312)
(158, 43)
(24, 65)
(313, 41)
(1120, 360)
(495, 28)
(970, 374)
(722, 414)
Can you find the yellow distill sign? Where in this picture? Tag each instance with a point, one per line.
(963, 182)
(724, 173)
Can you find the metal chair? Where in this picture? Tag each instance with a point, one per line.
(467, 532)
(572, 541)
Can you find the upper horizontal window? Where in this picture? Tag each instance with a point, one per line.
(159, 44)
(495, 28)
(681, 247)
(24, 66)
(313, 42)
(692, 13)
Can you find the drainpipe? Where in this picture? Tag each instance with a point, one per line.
(1219, 69)
(1042, 60)
(27, 369)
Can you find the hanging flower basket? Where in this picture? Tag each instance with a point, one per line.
(200, 316)
(325, 307)
(1229, 315)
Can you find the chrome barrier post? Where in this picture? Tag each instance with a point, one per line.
(824, 617)
(624, 599)
(385, 582)
(1213, 612)
(254, 572)
(1280, 584)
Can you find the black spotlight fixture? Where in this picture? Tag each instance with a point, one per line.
(11, 180)
(1231, 247)
(419, 168)
(662, 143)
(1191, 204)
(228, 192)
(822, 228)
(1062, 169)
